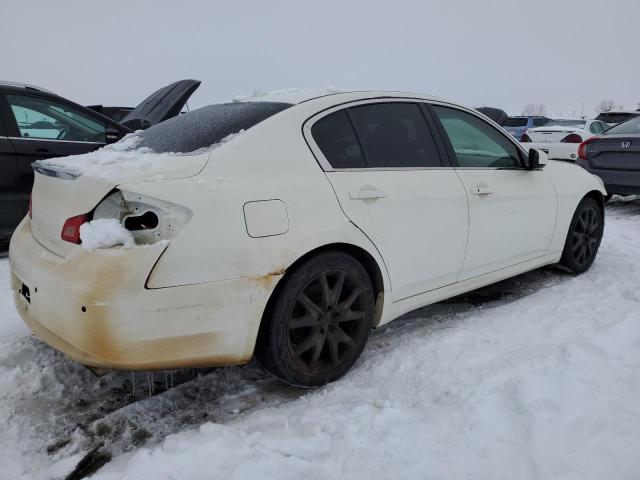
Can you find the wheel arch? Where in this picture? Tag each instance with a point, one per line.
(367, 260)
(598, 197)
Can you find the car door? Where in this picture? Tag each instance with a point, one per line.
(512, 211)
(392, 181)
(42, 127)
(8, 175)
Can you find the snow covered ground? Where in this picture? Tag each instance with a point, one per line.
(536, 377)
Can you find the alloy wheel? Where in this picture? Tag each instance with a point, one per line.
(327, 322)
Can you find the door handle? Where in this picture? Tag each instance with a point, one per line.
(367, 192)
(481, 190)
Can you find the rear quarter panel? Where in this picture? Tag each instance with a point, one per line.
(269, 162)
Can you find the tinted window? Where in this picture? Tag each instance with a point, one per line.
(475, 142)
(337, 140)
(43, 118)
(538, 122)
(630, 127)
(394, 135)
(516, 122)
(595, 127)
(206, 126)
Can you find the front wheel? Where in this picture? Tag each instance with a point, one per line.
(320, 321)
(583, 239)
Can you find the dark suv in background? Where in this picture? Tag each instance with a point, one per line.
(36, 124)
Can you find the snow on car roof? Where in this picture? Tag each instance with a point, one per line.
(286, 95)
(300, 95)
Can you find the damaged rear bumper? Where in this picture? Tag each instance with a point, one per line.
(94, 307)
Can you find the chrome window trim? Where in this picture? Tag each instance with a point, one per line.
(54, 140)
(326, 166)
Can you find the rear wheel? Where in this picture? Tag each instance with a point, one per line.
(583, 239)
(320, 322)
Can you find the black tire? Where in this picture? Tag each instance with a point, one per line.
(319, 323)
(584, 237)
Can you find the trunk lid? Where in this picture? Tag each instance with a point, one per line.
(615, 152)
(552, 134)
(160, 105)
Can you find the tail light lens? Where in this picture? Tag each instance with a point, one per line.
(582, 149)
(572, 138)
(525, 138)
(71, 229)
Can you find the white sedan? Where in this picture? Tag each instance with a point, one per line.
(287, 229)
(560, 139)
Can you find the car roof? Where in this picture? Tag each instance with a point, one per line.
(23, 86)
(297, 96)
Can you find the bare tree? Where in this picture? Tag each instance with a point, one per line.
(534, 109)
(605, 105)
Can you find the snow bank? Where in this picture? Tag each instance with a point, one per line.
(104, 233)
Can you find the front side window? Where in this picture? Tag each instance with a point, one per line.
(45, 119)
(336, 138)
(394, 135)
(476, 143)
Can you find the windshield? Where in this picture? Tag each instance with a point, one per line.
(630, 127)
(516, 122)
(206, 126)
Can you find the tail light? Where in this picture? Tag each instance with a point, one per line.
(572, 138)
(150, 220)
(582, 149)
(71, 229)
(525, 138)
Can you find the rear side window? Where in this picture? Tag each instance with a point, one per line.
(206, 126)
(337, 140)
(394, 135)
(476, 143)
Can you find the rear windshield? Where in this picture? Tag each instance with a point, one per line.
(206, 126)
(515, 122)
(566, 123)
(630, 127)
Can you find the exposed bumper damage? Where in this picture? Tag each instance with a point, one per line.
(94, 307)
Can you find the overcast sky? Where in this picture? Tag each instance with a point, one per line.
(504, 53)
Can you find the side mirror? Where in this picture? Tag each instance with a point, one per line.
(535, 159)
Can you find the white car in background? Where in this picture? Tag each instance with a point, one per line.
(287, 229)
(560, 138)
